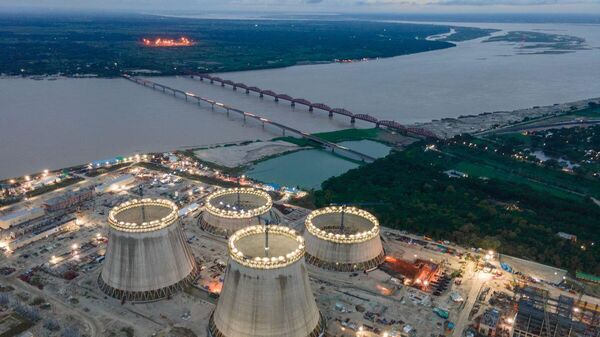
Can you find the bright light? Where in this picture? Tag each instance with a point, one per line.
(576, 309)
(510, 320)
(28, 178)
(74, 246)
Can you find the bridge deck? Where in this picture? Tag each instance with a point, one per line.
(393, 125)
(188, 95)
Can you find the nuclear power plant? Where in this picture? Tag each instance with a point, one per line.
(147, 257)
(266, 290)
(343, 239)
(229, 210)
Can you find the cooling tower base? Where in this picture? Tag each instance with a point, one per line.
(213, 331)
(149, 295)
(345, 267)
(205, 226)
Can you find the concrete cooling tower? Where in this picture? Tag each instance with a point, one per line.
(231, 209)
(343, 239)
(266, 291)
(147, 257)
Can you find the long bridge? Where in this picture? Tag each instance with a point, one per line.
(188, 96)
(390, 124)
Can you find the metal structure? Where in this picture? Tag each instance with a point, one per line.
(188, 96)
(266, 290)
(393, 125)
(231, 209)
(343, 239)
(147, 257)
(540, 315)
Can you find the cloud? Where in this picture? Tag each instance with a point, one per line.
(513, 2)
(476, 2)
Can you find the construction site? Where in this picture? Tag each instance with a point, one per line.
(146, 251)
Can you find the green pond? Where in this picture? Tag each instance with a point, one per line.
(309, 168)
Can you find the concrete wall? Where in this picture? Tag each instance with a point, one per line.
(230, 225)
(147, 261)
(342, 253)
(266, 302)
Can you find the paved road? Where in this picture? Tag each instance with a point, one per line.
(477, 283)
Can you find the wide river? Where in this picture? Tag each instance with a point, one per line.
(53, 124)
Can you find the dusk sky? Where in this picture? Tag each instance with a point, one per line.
(371, 6)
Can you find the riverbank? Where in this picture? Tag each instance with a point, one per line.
(450, 127)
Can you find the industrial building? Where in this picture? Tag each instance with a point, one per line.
(68, 200)
(540, 315)
(418, 273)
(266, 290)
(228, 210)
(19, 217)
(116, 184)
(343, 239)
(147, 257)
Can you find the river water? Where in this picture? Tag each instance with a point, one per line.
(53, 124)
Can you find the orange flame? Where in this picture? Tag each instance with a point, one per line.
(161, 42)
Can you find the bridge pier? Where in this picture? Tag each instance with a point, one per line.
(293, 104)
(310, 108)
(276, 99)
(212, 81)
(222, 84)
(212, 106)
(352, 120)
(247, 92)
(234, 88)
(330, 114)
(227, 112)
(377, 125)
(263, 125)
(260, 95)
(283, 131)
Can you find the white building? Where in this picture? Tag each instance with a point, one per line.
(21, 216)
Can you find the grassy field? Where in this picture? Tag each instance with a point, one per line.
(336, 136)
(483, 163)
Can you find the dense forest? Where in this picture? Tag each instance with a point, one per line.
(106, 45)
(412, 192)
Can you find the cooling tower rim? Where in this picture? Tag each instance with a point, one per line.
(133, 227)
(266, 262)
(343, 238)
(239, 214)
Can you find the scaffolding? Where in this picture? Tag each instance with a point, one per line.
(540, 315)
